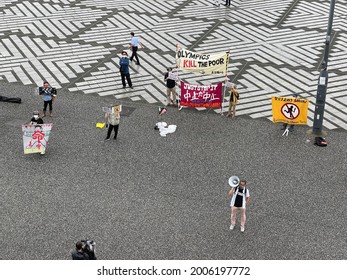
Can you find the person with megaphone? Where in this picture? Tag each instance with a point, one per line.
(239, 199)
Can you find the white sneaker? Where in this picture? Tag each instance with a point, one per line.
(242, 228)
(232, 227)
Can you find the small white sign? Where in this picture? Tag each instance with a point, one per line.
(322, 80)
(173, 76)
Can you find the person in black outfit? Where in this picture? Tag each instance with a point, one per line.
(78, 253)
(227, 3)
(170, 88)
(36, 118)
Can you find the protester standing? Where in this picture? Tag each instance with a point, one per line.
(124, 69)
(233, 98)
(49, 94)
(170, 88)
(37, 121)
(36, 118)
(239, 199)
(134, 44)
(112, 120)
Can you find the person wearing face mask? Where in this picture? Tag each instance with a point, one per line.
(239, 199)
(36, 118)
(124, 69)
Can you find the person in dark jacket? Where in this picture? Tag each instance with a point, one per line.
(49, 95)
(36, 118)
(78, 253)
(124, 69)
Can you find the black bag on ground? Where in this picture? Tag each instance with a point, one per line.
(10, 99)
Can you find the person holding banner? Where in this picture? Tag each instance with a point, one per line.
(112, 119)
(36, 118)
(37, 122)
(169, 78)
(124, 69)
(233, 98)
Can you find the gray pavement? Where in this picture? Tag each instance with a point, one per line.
(148, 197)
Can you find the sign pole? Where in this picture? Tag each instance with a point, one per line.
(323, 80)
(225, 80)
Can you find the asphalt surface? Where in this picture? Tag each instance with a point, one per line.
(144, 196)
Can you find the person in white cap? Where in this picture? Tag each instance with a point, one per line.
(239, 199)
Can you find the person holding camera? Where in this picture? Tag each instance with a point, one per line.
(79, 253)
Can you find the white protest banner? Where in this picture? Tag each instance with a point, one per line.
(173, 76)
(35, 137)
(202, 63)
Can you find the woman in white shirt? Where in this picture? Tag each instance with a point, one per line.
(239, 199)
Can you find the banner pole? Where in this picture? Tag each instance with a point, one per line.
(225, 80)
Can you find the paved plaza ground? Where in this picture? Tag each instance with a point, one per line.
(144, 196)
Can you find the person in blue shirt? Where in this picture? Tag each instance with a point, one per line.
(134, 44)
(124, 69)
(49, 94)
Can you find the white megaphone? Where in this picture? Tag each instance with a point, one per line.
(234, 181)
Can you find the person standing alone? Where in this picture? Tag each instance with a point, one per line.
(239, 199)
(49, 94)
(134, 44)
(170, 87)
(234, 97)
(112, 119)
(124, 69)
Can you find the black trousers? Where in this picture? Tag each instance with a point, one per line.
(45, 103)
(127, 76)
(134, 54)
(227, 3)
(109, 131)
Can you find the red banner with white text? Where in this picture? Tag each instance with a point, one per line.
(208, 96)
